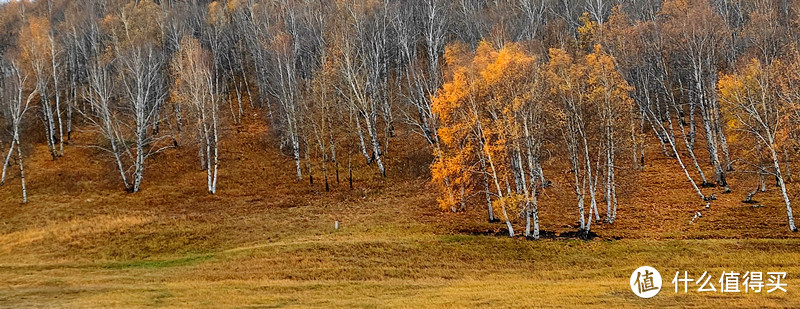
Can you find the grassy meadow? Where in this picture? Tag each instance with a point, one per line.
(268, 241)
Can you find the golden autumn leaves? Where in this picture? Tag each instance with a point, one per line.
(761, 103)
(502, 103)
(486, 86)
(765, 93)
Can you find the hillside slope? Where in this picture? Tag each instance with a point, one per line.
(267, 239)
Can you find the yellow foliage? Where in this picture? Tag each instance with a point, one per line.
(608, 88)
(484, 83)
(587, 31)
(757, 103)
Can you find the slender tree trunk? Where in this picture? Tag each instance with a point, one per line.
(71, 105)
(58, 119)
(781, 184)
(499, 191)
(534, 211)
(690, 150)
(592, 182)
(578, 188)
(634, 144)
(711, 145)
(683, 166)
(325, 172)
(332, 144)
(692, 124)
(361, 139)
(201, 154)
(612, 177)
(376, 146)
(749, 198)
(49, 125)
(295, 150)
(208, 146)
(485, 179)
(723, 141)
(21, 167)
(350, 171)
(138, 172)
(57, 98)
(307, 158)
(215, 135)
(5, 162)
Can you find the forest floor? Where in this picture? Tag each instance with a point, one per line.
(268, 240)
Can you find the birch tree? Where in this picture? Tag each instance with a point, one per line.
(492, 118)
(570, 94)
(38, 54)
(609, 94)
(140, 66)
(16, 104)
(753, 99)
(421, 73)
(698, 33)
(143, 93)
(364, 70)
(194, 84)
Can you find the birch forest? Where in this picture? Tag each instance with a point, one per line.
(508, 99)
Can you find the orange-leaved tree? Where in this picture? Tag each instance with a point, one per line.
(491, 131)
(763, 109)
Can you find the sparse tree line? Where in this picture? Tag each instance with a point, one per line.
(495, 88)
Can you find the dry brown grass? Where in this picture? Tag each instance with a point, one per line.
(267, 240)
(409, 272)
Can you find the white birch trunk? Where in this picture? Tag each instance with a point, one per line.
(21, 168)
(6, 161)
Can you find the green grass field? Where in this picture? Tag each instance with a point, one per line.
(267, 241)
